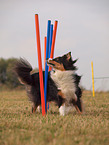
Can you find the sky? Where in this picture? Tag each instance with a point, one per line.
(83, 29)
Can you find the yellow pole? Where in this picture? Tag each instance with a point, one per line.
(93, 79)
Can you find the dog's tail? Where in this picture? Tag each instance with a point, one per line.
(22, 69)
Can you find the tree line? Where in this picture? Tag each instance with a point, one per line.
(8, 77)
(7, 74)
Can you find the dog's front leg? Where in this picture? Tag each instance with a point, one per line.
(62, 110)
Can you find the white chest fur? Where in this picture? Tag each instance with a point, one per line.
(65, 82)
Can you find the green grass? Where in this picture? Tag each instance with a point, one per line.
(18, 126)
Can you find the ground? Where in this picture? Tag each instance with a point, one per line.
(18, 126)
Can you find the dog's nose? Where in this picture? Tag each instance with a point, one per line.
(48, 59)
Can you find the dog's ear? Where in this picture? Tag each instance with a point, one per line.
(68, 56)
(74, 61)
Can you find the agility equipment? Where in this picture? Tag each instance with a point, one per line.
(40, 64)
(49, 43)
(53, 41)
(51, 35)
(46, 66)
(93, 90)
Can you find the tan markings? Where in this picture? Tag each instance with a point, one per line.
(78, 109)
(68, 56)
(74, 103)
(61, 94)
(57, 65)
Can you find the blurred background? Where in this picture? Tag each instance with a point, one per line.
(83, 29)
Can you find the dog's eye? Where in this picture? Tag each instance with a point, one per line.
(58, 59)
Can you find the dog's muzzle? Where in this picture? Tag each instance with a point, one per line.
(49, 62)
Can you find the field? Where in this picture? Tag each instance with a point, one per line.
(18, 126)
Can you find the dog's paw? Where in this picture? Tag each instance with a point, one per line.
(62, 110)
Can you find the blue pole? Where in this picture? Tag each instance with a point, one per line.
(51, 35)
(46, 66)
(50, 43)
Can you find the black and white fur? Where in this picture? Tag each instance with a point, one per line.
(57, 87)
(67, 81)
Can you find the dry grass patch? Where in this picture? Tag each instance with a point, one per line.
(18, 126)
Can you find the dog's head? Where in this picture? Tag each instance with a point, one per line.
(62, 63)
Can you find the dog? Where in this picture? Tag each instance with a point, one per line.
(64, 68)
(67, 82)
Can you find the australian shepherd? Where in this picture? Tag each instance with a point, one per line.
(63, 83)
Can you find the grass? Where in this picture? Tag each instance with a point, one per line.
(18, 126)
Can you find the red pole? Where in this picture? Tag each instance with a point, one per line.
(53, 41)
(40, 64)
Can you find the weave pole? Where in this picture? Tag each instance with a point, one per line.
(51, 36)
(50, 43)
(92, 79)
(40, 64)
(53, 41)
(46, 66)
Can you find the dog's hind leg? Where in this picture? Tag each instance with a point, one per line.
(78, 105)
(34, 107)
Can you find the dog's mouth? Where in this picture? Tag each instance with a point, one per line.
(55, 65)
(50, 63)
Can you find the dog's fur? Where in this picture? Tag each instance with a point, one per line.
(67, 81)
(63, 83)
